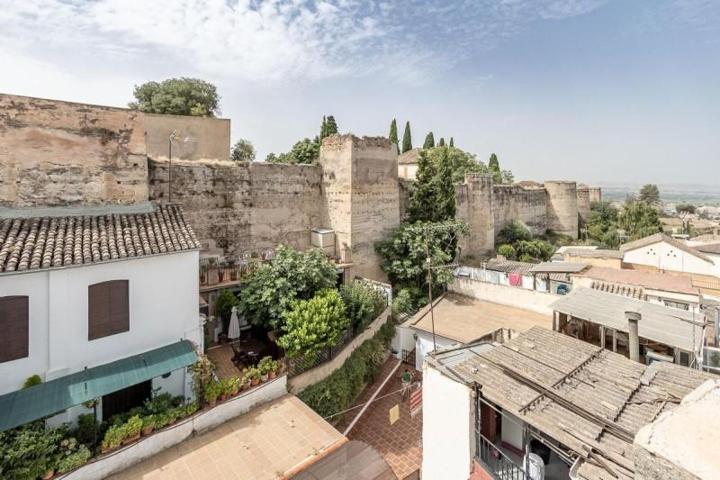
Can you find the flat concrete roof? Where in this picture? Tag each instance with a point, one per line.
(465, 319)
(275, 439)
(648, 279)
(688, 435)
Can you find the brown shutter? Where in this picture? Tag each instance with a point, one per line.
(108, 309)
(14, 328)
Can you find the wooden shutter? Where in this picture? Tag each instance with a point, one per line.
(14, 328)
(108, 309)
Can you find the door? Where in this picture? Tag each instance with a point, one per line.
(125, 399)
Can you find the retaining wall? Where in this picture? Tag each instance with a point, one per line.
(505, 295)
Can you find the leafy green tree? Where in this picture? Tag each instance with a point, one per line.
(314, 324)
(602, 225)
(514, 232)
(429, 141)
(243, 151)
(328, 127)
(534, 250)
(407, 139)
(394, 135)
(639, 219)
(305, 151)
(408, 300)
(362, 303)
(404, 257)
(434, 196)
(685, 209)
(223, 307)
(650, 194)
(452, 142)
(507, 251)
(177, 96)
(290, 275)
(441, 143)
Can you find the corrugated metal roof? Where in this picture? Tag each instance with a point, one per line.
(671, 326)
(558, 267)
(54, 396)
(508, 266)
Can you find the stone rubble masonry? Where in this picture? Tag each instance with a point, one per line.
(562, 207)
(62, 153)
(583, 203)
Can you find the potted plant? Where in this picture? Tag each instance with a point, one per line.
(274, 367)
(148, 424)
(233, 270)
(112, 439)
(234, 386)
(132, 427)
(212, 392)
(221, 273)
(254, 376)
(190, 408)
(203, 274)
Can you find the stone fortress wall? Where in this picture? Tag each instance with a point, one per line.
(55, 153)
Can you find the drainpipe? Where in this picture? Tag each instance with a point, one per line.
(634, 339)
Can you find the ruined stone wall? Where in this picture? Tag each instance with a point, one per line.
(515, 202)
(474, 206)
(594, 194)
(583, 203)
(562, 207)
(197, 138)
(375, 202)
(243, 207)
(55, 153)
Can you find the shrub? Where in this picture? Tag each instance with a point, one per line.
(223, 307)
(74, 460)
(267, 365)
(28, 452)
(32, 381)
(507, 251)
(338, 391)
(203, 373)
(515, 231)
(363, 303)
(407, 301)
(311, 325)
(113, 437)
(213, 391)
(89, 431)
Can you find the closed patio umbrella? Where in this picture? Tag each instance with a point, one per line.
(234, 328)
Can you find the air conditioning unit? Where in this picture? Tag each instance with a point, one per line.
(323, 238)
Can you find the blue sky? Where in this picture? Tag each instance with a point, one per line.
(594, 90)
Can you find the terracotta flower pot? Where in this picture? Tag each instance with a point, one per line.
(147, 431)
(49, 474)
(223, 397)
(254, 381)
(272, 374)
(212, 402)
(264, 378)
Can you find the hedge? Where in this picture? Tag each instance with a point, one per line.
(338, 391)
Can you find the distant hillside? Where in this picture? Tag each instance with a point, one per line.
(670, 193)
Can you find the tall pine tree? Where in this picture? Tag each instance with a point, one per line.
(393, 135)
(407, 140)
(441, 143)
(429, 141)
(452, 142)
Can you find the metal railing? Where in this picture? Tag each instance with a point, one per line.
(303, 363)
(495, 462)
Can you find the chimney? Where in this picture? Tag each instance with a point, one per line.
(634, 339)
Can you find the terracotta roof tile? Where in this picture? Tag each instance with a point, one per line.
(46, 242)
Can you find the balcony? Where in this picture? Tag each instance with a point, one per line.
(497, 463)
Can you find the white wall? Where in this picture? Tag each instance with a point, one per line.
(447, 427)
(505, 295)
(424, 345)
(163, 293)
(667, 257)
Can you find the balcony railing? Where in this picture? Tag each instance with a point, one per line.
(496, 463)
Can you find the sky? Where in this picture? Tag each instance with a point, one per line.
(592, 90)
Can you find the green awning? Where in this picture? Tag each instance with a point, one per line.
(54, 396)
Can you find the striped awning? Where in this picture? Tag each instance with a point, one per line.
(54, 396)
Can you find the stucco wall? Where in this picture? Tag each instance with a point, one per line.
(62, 153)
(664, 256)
(163, 310)
(198, 138)
(515, 202)
(447, 427)
(243, 207)
(505, 295)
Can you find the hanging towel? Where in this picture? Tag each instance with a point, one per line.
(515, 279)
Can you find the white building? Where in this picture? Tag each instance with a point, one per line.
(99, 305)
(662, 252)
(544, 402)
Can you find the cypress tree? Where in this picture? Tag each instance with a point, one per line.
(393, 135)
(441, 143)
(452, 142)
(493, 163)
(429, 141)
(407, 140)
(332, 127)
(323, 129)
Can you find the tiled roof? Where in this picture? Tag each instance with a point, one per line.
(46, 242)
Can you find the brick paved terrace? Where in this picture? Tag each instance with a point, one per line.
(400, 444)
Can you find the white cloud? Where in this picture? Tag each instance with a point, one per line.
(274, 39)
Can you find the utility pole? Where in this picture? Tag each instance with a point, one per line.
(171, 138)
(450, 228)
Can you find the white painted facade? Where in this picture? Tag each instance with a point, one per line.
(163, 304)
(448, 436)
(665, 256)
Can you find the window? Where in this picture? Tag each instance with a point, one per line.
(680, 305)
(108, 309)
(14, 328)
